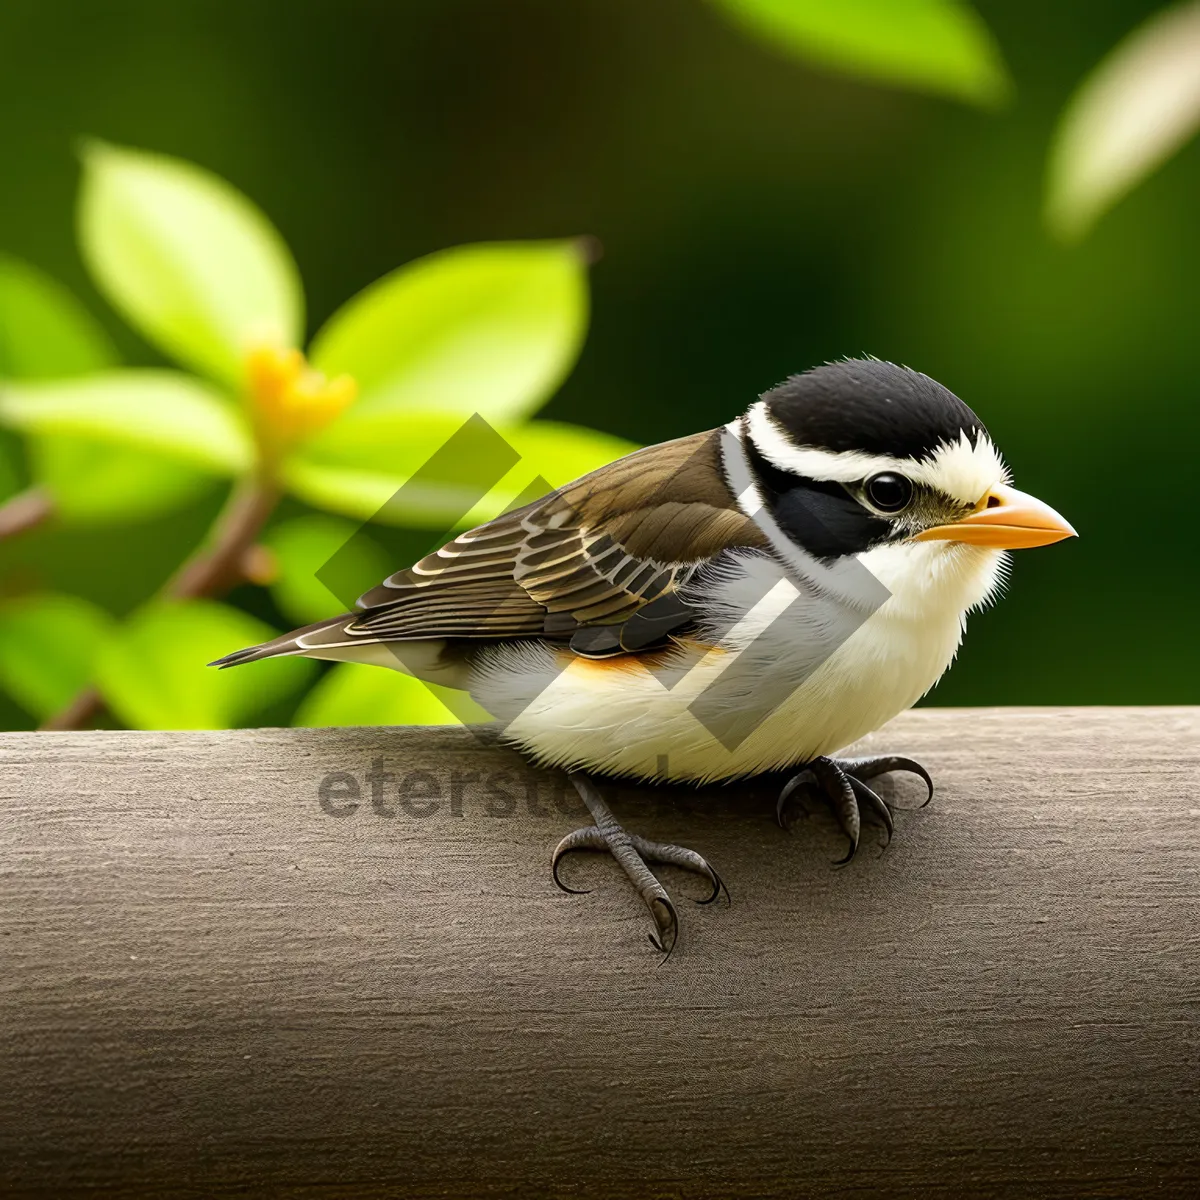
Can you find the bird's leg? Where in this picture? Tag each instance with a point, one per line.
(844, 782)
(633, 853)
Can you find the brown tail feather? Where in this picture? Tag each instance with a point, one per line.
(288, 643)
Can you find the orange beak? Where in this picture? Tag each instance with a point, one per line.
(1004, 519)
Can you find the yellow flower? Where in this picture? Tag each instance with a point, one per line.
(289, 398)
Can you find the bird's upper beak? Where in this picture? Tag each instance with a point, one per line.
(1004, 519)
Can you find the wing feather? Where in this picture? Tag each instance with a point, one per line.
(616, 543)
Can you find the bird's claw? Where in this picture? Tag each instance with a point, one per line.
(668, 854)
(844, 783)
(634, 853)
(866, 769)
(665, 853)
(797, 783)
(587, 838)
(870, 799)
(667, 921)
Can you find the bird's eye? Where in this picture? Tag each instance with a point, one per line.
(889, 492)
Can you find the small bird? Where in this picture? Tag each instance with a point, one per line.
(743, 601)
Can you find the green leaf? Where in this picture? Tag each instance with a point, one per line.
(1135, 110)
(491, 329)
(45, 333)
(187, 259)
(152, 672)
(354, 694)
(930, 45)
(93, 483)
(48, 648)
(397, 443)
(342, 490)
(358, 468)
(160, 411)
(303, 546)
(400, 443)
(560, 453)
(363, 494)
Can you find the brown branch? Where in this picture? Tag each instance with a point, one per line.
(215, 569)
(1005, 1001)
(80, 713)
(212, 571)
(24, 511)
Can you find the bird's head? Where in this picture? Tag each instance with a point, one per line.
(863, 454)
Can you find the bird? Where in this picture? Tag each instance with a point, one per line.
(743, 601)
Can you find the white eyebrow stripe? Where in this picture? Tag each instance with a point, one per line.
(842, 466)
(963, 469)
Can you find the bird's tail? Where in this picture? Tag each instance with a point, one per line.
(323, 639)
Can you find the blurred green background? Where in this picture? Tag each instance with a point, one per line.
(758, 215)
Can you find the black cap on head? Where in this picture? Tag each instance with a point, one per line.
(876, 407)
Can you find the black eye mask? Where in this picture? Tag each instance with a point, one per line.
(819, 515)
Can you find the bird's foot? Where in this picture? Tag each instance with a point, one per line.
(633, 853)
(844, 783)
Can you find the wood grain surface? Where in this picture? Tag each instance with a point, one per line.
(212, 985)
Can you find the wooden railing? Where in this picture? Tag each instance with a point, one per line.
(332, 963)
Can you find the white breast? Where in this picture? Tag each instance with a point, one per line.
(792, 676)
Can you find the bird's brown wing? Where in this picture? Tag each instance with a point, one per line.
(596, 562)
